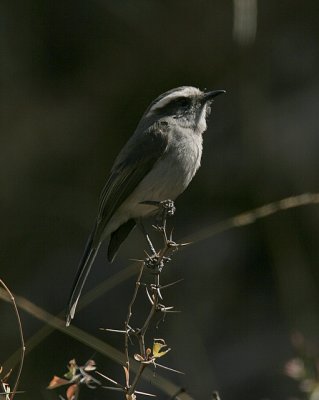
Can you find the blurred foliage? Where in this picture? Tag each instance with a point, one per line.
(75, 78)
(304, 367)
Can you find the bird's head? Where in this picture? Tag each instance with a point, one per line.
(185, 106)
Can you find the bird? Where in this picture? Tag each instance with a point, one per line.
(157, 163)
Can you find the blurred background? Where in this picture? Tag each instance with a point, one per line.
(76, 76)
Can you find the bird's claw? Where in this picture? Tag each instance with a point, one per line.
(167, 207)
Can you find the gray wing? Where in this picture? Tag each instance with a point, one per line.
(133, 163)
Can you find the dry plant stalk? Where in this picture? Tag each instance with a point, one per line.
(10, 394)
(154, 264)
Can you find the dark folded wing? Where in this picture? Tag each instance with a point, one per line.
(132, 165)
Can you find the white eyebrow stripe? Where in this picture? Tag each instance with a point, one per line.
(185, 92)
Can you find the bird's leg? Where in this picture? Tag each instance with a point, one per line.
(146, 235)
(166, 208)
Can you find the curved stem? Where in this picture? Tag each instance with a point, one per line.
(21, 339)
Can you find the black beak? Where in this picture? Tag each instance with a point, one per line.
(209, 96)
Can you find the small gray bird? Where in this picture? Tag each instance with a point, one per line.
(157, 163)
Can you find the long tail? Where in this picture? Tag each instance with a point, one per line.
(84, 268)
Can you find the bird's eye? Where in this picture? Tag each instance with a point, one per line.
(183, 101)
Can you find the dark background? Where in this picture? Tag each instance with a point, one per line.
(76, 77)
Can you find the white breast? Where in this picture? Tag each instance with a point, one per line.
(173, 172)
(169, 177)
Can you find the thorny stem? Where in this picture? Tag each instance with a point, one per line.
(129, 315)
(159, 258)
(21, 339)
(155, 296)
(132, 388)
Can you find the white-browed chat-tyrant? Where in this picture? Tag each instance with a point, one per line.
(157, 163)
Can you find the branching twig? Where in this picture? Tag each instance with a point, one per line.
(14, 391)
(129, 315)
(155, 263)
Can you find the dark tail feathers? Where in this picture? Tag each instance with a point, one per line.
(84, 268)
(87, 260)
(117, 238)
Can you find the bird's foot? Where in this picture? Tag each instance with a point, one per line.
(167, 207)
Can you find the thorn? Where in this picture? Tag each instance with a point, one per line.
(171, 284)
(109, 379)
(129, 337)
(163, 308)
(185, 244)
(110, 388)
(145, 394)
(149, 297)
(171, 243)
(171, 235)
(170, 369)
(113, 330)
(136, 259)
(130, 329)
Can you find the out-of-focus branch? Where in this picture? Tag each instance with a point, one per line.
(22, 350)
(245, 21)
(251, 216)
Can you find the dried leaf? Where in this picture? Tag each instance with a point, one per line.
(72, 367)
(75, 377)
(160, 348)
(56, 382)
(72, 392)
(90, 366)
